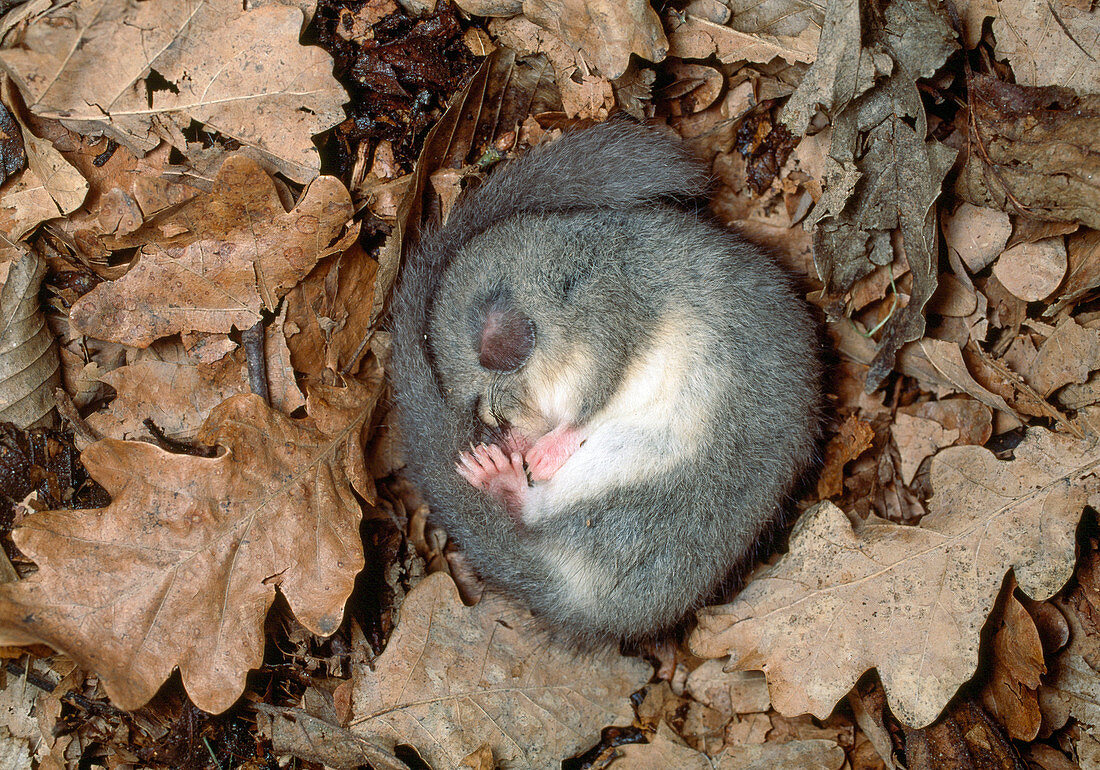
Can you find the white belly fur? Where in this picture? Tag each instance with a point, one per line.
(653, 423)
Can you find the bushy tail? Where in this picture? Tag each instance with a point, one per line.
(612, 165)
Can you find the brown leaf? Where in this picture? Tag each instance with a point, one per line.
(329, 317)
(853, 438)
(757, 32)
(918, 439)
(976, 234)
(939, 365)
(1011, 693)
(965, 737)
(240, 72)
(1023, 141)
(1070, 354)
(664, 750)
(216, 261)
(178, 395)
(182, 567)
(305, 736)
(1049, 43)
(1032, 271)
(605, 31)
(971, 419)
(454, 677)
(1083, 274)
(30, 368)
(881, 141)
(938, 581)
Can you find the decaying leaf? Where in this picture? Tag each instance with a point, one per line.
(134, 69)
(1022, 141)
(29, 365)
(842, 71)
(937, 581)
(182, 567)
(853, 438)
(899, 174)
(454, 677)
(213, 263)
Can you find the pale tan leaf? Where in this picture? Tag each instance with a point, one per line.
(939, 365)
(214, 262)
(977, 234)
(30, 368)
(182, 567)
(918, 439)
(241, 72)
(1049, 42)
(454, 677)
(1069, 355)
(606, 31)
(909, 601)
(664, 750)
(1032, 271)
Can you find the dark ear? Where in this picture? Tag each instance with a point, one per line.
(506, 339)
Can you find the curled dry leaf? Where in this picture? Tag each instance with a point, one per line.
(48, 187)
(182, 567)
(96, 66)
(937, 581)
(757, 32)
(329, 316)
(853, 438)
(179, 395)
(1011, 694)
(30, 368)
(213, 263)
(454, 677)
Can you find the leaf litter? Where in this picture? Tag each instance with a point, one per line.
(176, 201)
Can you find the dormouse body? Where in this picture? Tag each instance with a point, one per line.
(605, 399)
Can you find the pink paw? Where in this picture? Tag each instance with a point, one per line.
(501, 476)
(550, 452)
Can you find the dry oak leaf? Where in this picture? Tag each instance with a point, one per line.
(182, 567)
(909, 601)
(606, 31)
(213, 263)
(454, 677)
(179, 395)
(116, 67)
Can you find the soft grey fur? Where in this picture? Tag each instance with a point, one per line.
(584, 238)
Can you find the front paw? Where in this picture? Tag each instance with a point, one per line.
(499, 475)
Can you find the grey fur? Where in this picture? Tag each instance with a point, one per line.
(628, 294)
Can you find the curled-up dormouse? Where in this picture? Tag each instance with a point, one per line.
(605, 398)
